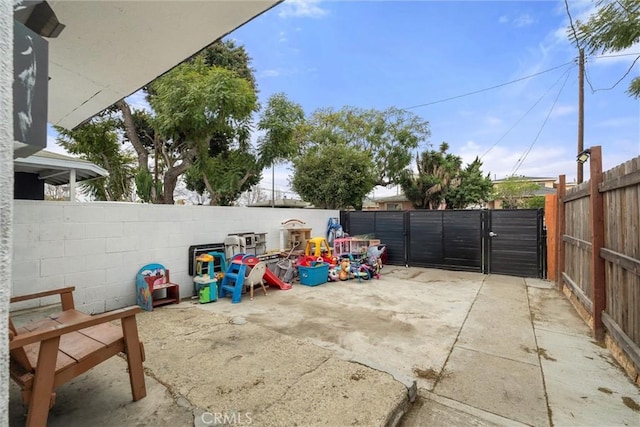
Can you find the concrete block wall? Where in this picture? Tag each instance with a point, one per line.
(99, 247)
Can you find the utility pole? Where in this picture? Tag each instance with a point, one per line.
(580, 176)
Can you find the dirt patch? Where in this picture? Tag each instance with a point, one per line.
(631, 403)
(359, 375)
(427, 374)
(526, 349)
(605, 390)
(542, 352)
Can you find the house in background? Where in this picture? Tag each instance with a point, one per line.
(398, 202)
(547, 185)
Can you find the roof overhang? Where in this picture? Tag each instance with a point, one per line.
(55, 168)
(110, 49)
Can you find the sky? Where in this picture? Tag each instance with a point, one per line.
(452, 64)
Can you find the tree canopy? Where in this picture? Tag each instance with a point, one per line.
(516, 193)
(97, 141)
(614, 26)
(333, 176)
(440, 180)
(473, 188)
(437, 171)
(388, 137)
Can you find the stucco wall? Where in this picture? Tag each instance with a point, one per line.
(6, 192)
(99, 247)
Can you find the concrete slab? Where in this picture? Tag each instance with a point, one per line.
(499, 322)
(433, 410)
(551, 311)
(505, 387)
(251, 372)
(585, 386)
(102, 397)
(284, 359)
(401, 326)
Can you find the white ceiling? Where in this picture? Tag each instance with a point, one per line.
(110, 49)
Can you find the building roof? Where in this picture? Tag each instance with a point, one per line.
(527, 178)
(281, 203)
(110, 49)
(55, 168)
(543, 191)
(398, 198)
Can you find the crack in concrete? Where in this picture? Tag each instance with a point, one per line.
(541, 352)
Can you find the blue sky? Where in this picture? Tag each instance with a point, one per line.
(378, 54)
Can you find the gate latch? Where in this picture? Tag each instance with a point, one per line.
(492, 234)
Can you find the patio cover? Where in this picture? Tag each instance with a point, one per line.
(58, 169)
(110, 49)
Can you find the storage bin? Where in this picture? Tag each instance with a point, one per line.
(315, 275)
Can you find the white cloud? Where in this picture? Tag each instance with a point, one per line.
(301, 9)
(283, 37)
(524, 20)
(493, 121)
(52, 145)
(626, 56)
(278, 72)
(138, 101)
(271, 73)
(563, 110)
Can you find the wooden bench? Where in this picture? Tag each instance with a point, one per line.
(50, 352)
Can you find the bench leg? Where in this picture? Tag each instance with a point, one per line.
(43, 383)
(134, 357)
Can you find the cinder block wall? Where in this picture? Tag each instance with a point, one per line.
(99, 247)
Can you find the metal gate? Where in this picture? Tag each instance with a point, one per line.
(388, 226)
(489, 241)
(516, 242)
(447, 239)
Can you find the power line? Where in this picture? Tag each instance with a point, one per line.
(619, 80)
(524, 157)
(525, 114)
(489, 88)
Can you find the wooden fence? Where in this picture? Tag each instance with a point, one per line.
(597, 253)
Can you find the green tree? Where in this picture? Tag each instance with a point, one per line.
(473, 187)
(513, 191)
(438, 172)
(388, 137)
(535, 202)
(176, 149)
(333, 176)
(228, 55)
(197, 106)
(280, 120)
(614, 26)
(97, 141)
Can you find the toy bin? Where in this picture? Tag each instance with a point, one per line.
(314, 275)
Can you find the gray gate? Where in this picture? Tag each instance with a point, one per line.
(516, 242)
(388, 226)
(447, 239)
(489, 241)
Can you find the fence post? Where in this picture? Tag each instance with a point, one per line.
(560, 229)
(598, 293)
(550, 219)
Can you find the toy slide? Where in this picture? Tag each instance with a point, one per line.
(269, 277)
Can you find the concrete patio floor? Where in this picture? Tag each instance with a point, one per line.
(477, 349)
